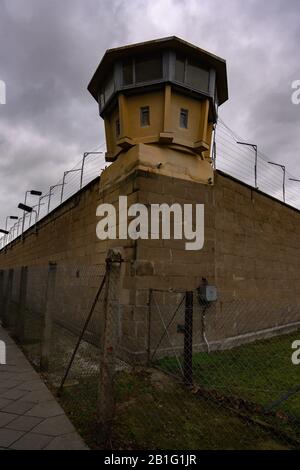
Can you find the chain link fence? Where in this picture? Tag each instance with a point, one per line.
(213, 374)
(58, 315)
(235, 355)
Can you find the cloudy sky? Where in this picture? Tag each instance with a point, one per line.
(49, 50)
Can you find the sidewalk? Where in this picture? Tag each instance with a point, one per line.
(30, 417)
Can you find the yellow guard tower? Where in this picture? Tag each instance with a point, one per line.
(159, 101)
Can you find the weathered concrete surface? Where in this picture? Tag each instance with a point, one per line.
(251, 253)
(30, 417)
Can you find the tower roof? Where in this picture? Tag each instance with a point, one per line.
(178, 45)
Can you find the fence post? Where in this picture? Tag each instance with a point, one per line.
(7, 298)
(20, 323)
(188, 340)
(1, 292)
(149, 327)
(47, 317)
(106, 401)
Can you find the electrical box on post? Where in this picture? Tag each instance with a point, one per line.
(208, 293)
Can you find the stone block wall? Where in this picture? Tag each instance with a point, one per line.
(251, 253)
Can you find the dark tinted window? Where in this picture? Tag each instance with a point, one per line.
(145, 116)
(109, 89)
(128, 73)
(148, 69)
(184, 117)
(179, 69)
(197, 77)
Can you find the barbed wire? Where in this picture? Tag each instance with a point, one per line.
(230, 158)
(239, 161)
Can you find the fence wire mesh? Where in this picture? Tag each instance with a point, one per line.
(210, 375)
(49, 319)
(239, 358)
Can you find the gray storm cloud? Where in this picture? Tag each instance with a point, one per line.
(49, 50)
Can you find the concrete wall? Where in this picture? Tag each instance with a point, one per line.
(67, 235)
(251, 253)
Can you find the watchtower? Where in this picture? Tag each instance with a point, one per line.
(159, 101)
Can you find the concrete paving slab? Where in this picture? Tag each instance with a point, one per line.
(31, 441)
(4, 402)
(33, 385)
(9, 436)
(57, 426)
(13, 394)
(6, 418)
(36, 396)
(18, 407)
(69, 441)
(30, 417)
(46, 410)
(23, 423)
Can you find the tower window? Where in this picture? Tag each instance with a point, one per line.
(184, 117)
(109, 88)
(189, 72)
(128, 72)
(148, 69)
(180, 69)
(142, 69)
(118, 130)
(197, 77)
(145, 116)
